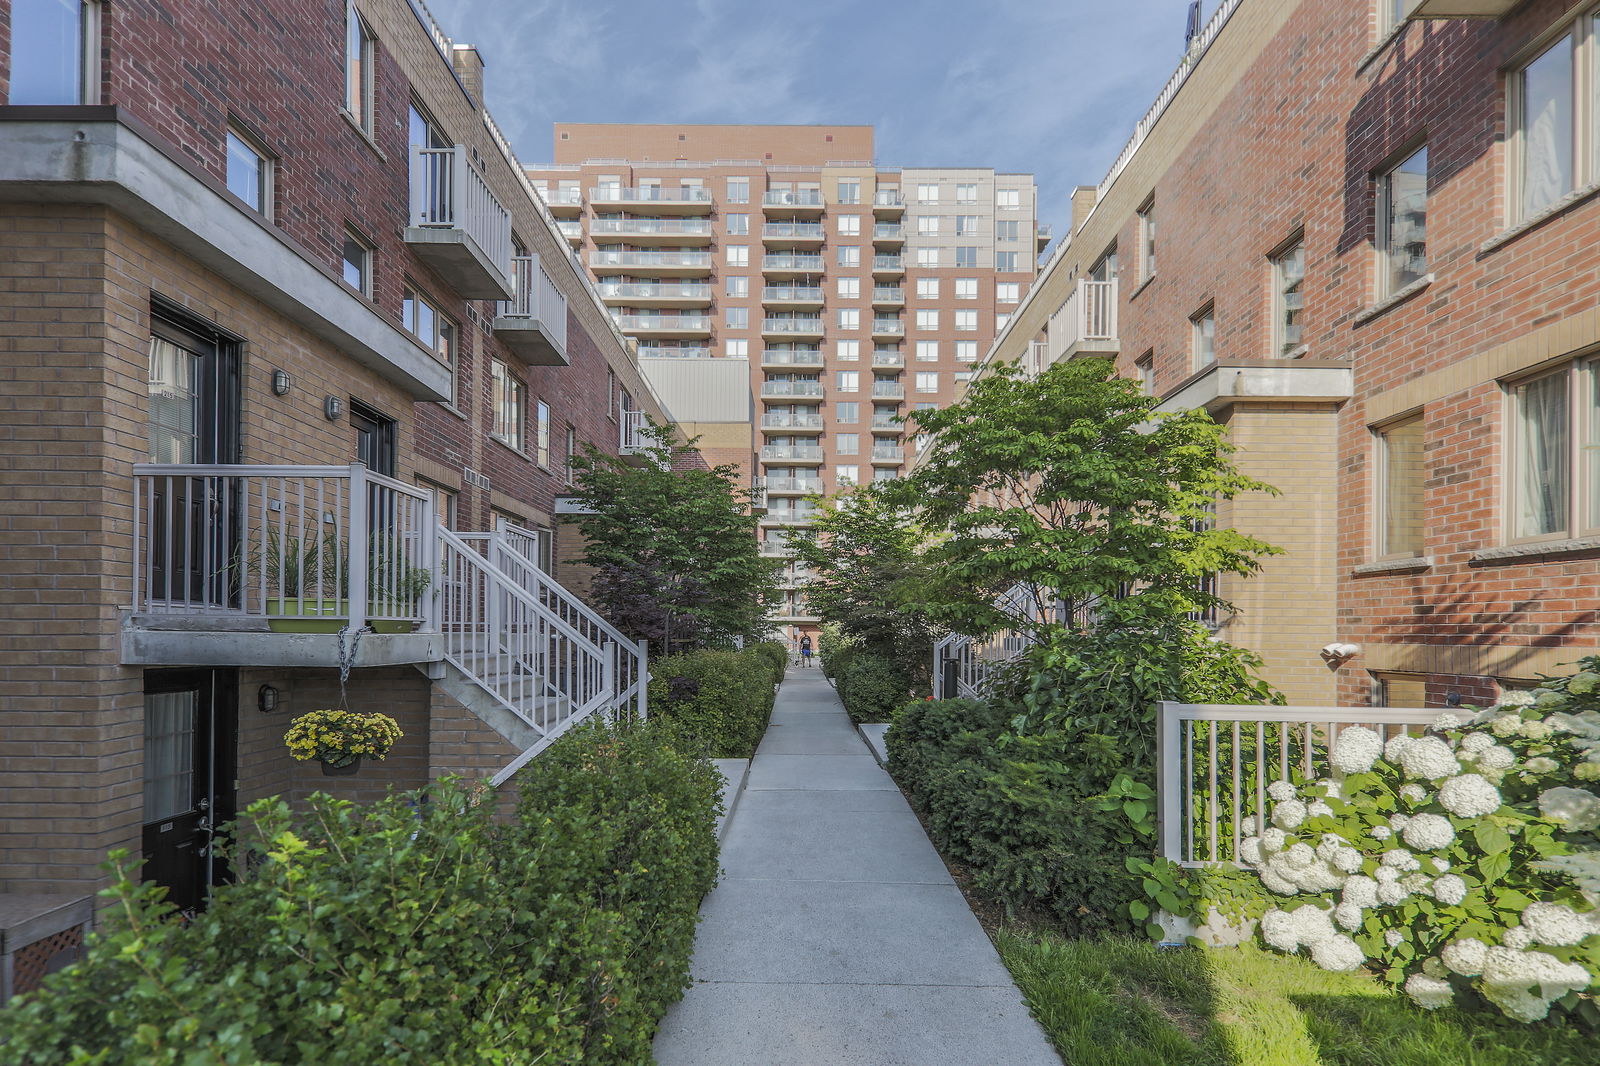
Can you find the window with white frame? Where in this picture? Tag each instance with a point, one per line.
(927, 288)
(738, 190)
(848, 380)
(738, 287)
(1203, 337)
(541, 431)
(54, 52)
(736, 317)
(966, 288)
(928, 351)
(1008, 230)
(1288, 297)
(1554, 471)
(927, 381)
(928, 319)
(966, 351)
(509, 401)
(1004, 262)
(1000, 321)
(849, 288)
(847, 351)
(1147, 240)
(966, 192)
(927, 225)
(1145, 367)
(849, 192)
(847, 412)
(1007, 292)
(358, 45)
(966, 321)
(1392, 15)
(846, 475)
(967, 225)
(848, 255)
(737, 349)
(569, 472)
(849, 318)
(1400, 472)
(849, 225)
(738, 255)
(357, 262)
(1555, 111)
(1403, 223)
(422, 319)
(738, 225)
(928, 193)
(847, 444)
(927, 257)
(249, 172)
(1008, 199)
(884, 473)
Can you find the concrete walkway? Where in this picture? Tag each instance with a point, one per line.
(836, 935)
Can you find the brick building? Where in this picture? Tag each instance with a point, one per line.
(853, 292)
(1363, 234)
(274, 296)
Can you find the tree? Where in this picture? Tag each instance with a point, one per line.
(673, 548)
(1072, 486)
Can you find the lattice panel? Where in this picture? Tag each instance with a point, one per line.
(31, 963)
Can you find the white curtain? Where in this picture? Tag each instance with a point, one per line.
(1547, 129)
(1542, 450)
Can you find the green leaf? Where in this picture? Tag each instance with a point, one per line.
(1139, 909)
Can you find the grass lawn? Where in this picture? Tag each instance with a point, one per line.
(1123, 1003)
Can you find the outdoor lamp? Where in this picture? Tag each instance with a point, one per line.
(267, 699)
(281, 382)
(331, 407)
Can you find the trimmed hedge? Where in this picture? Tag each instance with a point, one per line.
(719, 701)
(871, 687)
(835, 650)
(777, 655)
(413, 931)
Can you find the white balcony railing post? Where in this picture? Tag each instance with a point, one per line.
(358, 559)
(1169, 808)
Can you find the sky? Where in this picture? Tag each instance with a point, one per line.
(1048, 87)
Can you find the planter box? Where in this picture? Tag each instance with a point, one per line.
(324, 616)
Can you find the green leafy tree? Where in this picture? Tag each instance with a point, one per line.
(1071, 485)
(673, 547)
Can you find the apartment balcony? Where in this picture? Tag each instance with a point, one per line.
(888, 266)
(784, 264)
(794, 579)
(784, 358)
(632, 440)
(887, 429)
(806, 297)
(758, 495)
(263, 565)
(563, 203)
(796, 326)
(651, 351)
(882, 456)
(783, 390)
(776, 549)
(1087, 323)
(655, 294)
(888, 296)
(780, 422)
(1043, 235)
(791, 453)
(887, 205)
(888, 327)
(533, 323)
(794, 486)
(794, 616)
(888, 360)
(789, 516)
(652, 232)
(888, 392)
(793, 235)
(805, 203)
(655, 326)
(458, 226)
(1460, 9)
(658, 200)
(661, 264)
(889, 235)
(571, 229)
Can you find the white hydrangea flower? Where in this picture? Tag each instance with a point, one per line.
(1447, 721)
(1429, 832)
(1349, 916)
(1583, 867)
(1299, 856)
(1578, 808)
(1392, 893)
(1357, 749)
(1290, 814)
(1250, 850)
(1318, 877)
(1469, 796)
(1281, 791)
(1429, 993)
(1394, 938)
(1398, 822)
(1346, 860)
(1397, 745)
(1413, 793)
(1360, 890)
(1535, 729)
(1380, 832)
(1475, 742)
(1416, 882)
(1338, 953)
(1400, 859)
(1318, 809)
(1506, 725)
(1495, 757)
(1277, 883)
(1274, 839)
(1386, 875)
(1541, 764)
(1523, 984)
(1429, 758)
(1559, 925)
(1517, 938)
(1517, 698)
(1449, 890)
(1465, 956)
(1329, 845)
(1441, 865)
(1280, 931)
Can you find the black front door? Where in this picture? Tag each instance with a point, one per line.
(190, 730)
(374, 439)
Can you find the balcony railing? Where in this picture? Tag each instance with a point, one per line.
(335, 543)
(775, 549)
(809, 263)
(805, 231)
(888, 294)
(792, 325)
(449, 196)
(791, 388)
(776, 294)
(1087, 322)
(896, 360)
(893, 455)
(562, 196)
(792, 515)
(678, 323)
(534, 321)
(791, 357)
(804, 198)
(571, 229)
(647, 260)
(798, 453)
(802, 486)
(890, 231)
(644, 290)
(661, 227)
(892, 327)
(655, 352)
(633, 440)
(887, 199)
(617, 194)
(888, 390)
(780, 420)
(888, 262)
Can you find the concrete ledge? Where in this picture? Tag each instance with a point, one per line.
(1393, 566)
(1223, 384)
(460, 261)
(734, 774)
(155, 647)
(1535, 552)
(873, 733)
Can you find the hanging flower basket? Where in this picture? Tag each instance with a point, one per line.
(341, 739)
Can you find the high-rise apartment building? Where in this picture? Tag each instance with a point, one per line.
(855, 292)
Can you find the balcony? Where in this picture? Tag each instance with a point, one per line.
(789, 516)
(533, 323)
(792, 326)
(648, 351)
(758, 495)
(664, 325)
(794, 486)
(780, 421)
(1460, 9)
(793, 234)
(656, 294)
(263, 565)
(782, 390)
(888, 327)
(1087, 323)
(889, 234)
(791, 357)
(785, 264)
(887, 204)
(633, 441)
(791, 453)
(888, 360)
(665, 264)
(776, 549)
(655, 232)
(806, 202)
(562, 202)
(1043, 235)
(888, 296)
(887, 427)
(797, 296)
(660, 201)
(888, 265)
(882, 456)
(796, 578)
(571, 229)
(458, 226)
(888, 392)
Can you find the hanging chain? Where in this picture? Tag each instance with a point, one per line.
(348, 661)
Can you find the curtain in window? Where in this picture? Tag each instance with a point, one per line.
(1542, 456)
(1547, 129)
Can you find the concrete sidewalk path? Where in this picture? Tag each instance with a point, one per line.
(836, 936)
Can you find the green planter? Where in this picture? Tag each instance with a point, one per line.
(324, 616)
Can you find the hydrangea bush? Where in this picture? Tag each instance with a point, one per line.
(1461, 863)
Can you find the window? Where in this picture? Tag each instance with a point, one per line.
(357, 264)
(357, 68)
(1203, 338)
(850, 288)
(1549, 108)
(847, 444)
(572, 453)
(736, 349)
(542, 433)
(1007, 292)
(962, 377)
(928, 225)
(848, 351)
(927, 319)
(737, 318)
(1402, 224)
(738, 190)
(927, 257)
(848, 255)
(925, 405)
(1146, 369)
(1004, 262)
(1399, 489)
(249, 173)
(738, 255)
(966, 321)
(1555, 453)
(849, 318)
(884, 473)
(927, 288)
(53, 52)
(1000, 321)
(1288, 280)
(444, 501)
(966, 351)
(1008, 199)
(1147, 241)
(928, 351)
(849, 192)
(738, 225)
(966, 288)
(967, 225)
(927, 381)
(1391, 16)
(966, 193)
(611, 394)
(848, 380)
(1007, 230)
(424, 321)
(509, 403)
(739, 288)
(1105, 268)
(849, 225)
(928, 194)
(847, 412)
(846, 475)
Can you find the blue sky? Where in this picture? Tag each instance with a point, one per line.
(1051, 87)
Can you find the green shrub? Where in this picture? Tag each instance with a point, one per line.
(835, 649)
(872, 688)
(777, 655)
(412, 931)
(719, 701)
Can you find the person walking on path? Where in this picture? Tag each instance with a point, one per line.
(805, 651)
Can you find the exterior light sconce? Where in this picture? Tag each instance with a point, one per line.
(332, 408)
(1339, 654)
(281, 382)
(266, 699)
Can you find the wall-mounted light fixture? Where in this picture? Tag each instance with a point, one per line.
(332, 407)
(281, 382)
(267, 699)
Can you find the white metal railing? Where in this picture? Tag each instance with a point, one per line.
(779, 261)
(331, 542)
(887, 199)
(895, 360)
(447, 192)
(792, 325)
(657, 352)
(888, 294)
(536, 295)
(791, 388)
(634, 424)
(896, 454)
(805, 198)
(887, 262)
(644, 290)
(684, 323)
(1215, 761)
(793, 230)
(963, 665)
(791, 421)
(791, 357)
(890, 390)
(561, 196)
(791, 293)
(650, 259)
(617, 194)
(888, 230)
(889, 326)
(792, 453)
(571, 229)
(665, 227)
(1089, 315)
(807, 485)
